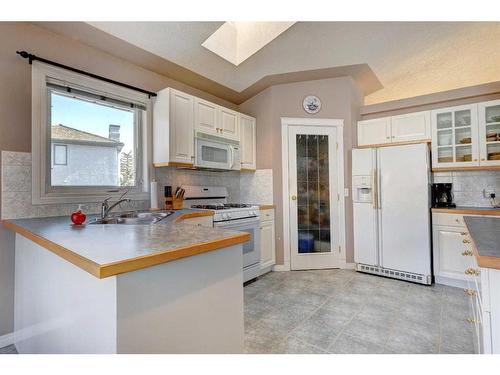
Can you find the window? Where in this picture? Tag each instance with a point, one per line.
(92, 138)
(60, 156)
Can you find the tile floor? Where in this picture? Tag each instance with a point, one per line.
(342, 311)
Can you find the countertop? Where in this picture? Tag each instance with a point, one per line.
(267, 206)
(107, 250)
(485, 235)
(492, 211)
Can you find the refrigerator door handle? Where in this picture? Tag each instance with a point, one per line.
(375, 189)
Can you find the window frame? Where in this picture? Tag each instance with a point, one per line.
(42, 192)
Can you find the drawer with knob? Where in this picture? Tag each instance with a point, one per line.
(453, 220)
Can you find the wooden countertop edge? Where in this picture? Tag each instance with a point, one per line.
(471, 211)
(267, 206)
(76, 259)
(191, 215)
(483, 261)
(149, 260)
(111, 269)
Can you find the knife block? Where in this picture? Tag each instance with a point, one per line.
(173, 203)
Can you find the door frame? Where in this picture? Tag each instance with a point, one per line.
(287, 122)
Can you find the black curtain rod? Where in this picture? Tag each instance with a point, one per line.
(32, 58)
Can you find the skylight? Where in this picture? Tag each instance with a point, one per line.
(237, 41)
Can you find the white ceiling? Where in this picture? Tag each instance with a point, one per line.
(409, 58)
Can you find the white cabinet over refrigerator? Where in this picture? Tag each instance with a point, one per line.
(391, 212)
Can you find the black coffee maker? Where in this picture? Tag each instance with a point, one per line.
(442, 195)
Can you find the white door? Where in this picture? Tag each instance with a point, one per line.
(404, 208)
(489, 133)
(229, 123)
(205, 116)
(248, 142)
(181, 128)
(411, 127)
(448, 247)
(314, 212)
(374, 132)
(365, 213)
(455, 137)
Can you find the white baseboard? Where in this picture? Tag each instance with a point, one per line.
(7, 339)
(281, 267)
(450, 281)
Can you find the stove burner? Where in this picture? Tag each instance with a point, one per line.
(225, 206)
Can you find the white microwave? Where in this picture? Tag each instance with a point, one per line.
(212, 152)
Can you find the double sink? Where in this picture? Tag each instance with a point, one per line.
(134, 218)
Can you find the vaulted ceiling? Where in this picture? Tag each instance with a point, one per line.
(408, 58)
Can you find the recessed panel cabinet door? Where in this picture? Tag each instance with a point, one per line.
(373, 132)
(205, 116)
(411, 127)
(448, 247)
(267, 256)
(181, 128)
(229, 123)
(247, 142)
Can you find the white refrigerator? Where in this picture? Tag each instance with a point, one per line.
(391, 208)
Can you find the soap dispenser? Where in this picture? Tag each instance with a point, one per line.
(78, 217)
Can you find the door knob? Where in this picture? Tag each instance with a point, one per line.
(294, 197)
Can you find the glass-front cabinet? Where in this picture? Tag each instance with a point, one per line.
(455, 137)
(489, 133)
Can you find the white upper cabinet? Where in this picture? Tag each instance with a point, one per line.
(248, 142)
(411, 127)
(373, 132)
(173, 130)
(206, 116)
(229, 123)
(455, 137)
(176, 118)
(489, 133)
(402, 128)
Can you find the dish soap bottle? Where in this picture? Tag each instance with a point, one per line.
(78, 217)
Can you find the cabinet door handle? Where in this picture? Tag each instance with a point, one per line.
(471, 320)
(457, 220)
(472, 271)
(483, 159)
(463, 233)
(465, 240)
(470, 292)
(467, 253)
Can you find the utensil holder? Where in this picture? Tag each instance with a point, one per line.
(173, 203)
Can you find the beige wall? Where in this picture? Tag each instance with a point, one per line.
(340, 99)
(15, 108)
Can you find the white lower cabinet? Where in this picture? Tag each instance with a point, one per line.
(267, 244)
(489, 327)
(449, 261)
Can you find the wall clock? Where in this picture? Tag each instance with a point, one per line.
(311, 104)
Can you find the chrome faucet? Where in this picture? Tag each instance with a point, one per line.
(106, 208)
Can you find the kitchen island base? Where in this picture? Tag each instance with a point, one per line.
(191, 305)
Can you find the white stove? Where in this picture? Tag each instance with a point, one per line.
(234, 216)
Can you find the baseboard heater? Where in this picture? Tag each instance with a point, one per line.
(394, 274)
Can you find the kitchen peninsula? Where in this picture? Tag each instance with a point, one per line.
(170, 287)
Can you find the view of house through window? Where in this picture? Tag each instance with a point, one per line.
(92, 143)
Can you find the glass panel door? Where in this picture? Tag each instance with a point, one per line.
(312, 184)
(455, 136)
(313, 193)
(492, 134)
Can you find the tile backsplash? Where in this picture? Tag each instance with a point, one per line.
(468, 186)
(16, 192)
(16, 187)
